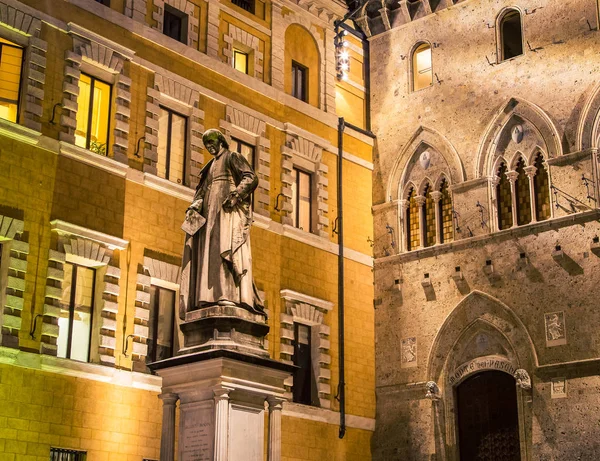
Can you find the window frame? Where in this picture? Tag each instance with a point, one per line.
(236, 52)
(91, 110)
(72, 309)
(312, 379)
(184, 173)
(104, 2)
(154, 328)
(413, 65)
(182, 17)
(21, 76)
(300, 68)
(297, 171)
(500, 34)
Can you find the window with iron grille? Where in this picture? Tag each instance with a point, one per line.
(175, 24)
(247, 5)
(63, 454)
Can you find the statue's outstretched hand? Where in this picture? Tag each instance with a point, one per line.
(231, 201)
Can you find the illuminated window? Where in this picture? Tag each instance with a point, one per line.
(523, 195)
(93, 114)
(422, 68)
(305, 384)
(541, 187)
(504, 199)
(511, 35)
(162, 335)
(11, 64)
(172, 131)
(445, 204)
(62, 454)
(301, 200)
(412, 222)
(175, 24)
(430, 225)
(247, 5)
(77, 308)
(240, 61)
(299, 81)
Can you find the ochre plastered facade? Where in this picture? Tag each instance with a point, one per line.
(62, 203)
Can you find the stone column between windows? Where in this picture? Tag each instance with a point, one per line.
(436, 196)
(530, 172)
(167, 437)
(494, 181)
(512, 178)
(221, 423)
(403, 204)
(420, 201)
(275, 407)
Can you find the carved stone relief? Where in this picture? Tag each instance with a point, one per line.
(409, 352)
(556, 332)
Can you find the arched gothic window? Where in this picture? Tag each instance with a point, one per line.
(541, 188)
(511, 35)
(412, 222)
(523, 195)
(445, 213)
(430, 223)
(421, 67)
(504, 199)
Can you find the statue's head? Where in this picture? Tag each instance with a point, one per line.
(213, 140)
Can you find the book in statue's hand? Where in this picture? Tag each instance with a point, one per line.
(193, 222)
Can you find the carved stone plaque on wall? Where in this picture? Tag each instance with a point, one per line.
(558, 389)
(408, 352)
(556, 331)
(197, 431)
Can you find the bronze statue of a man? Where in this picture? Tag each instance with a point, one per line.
(217, 261)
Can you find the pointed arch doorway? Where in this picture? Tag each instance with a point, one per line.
(487, 417)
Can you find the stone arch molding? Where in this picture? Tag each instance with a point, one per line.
(539, 127)
(424, 138)
(588, 130)
(479, 311)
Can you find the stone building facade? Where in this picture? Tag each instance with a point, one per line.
(486, 228)
(102, 108)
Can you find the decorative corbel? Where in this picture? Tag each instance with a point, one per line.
(523, 379)
(433, 391)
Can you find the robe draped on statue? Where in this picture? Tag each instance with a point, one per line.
(217, 261)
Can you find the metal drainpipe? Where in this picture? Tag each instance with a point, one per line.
(340, 226)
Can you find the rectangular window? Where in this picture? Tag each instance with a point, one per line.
(93, 114)
(104, 2)
(162, 334)
(175, 24)
(11, 65)
(299, 81)
(247, 5)
(77, 308)
(305, 386)
(240, 61)
(172, 140)
(301, 200)
(62, 454)
(247, 150)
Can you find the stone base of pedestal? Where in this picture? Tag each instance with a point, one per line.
(223, 396)
(224, 327)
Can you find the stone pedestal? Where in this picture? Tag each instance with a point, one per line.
(224, 327)
(223, 395)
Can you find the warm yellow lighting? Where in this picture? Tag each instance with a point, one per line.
(93, 114)
(422, 68)
(240, 61)
(10, 79)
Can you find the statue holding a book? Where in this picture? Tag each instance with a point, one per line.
(217, 259)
